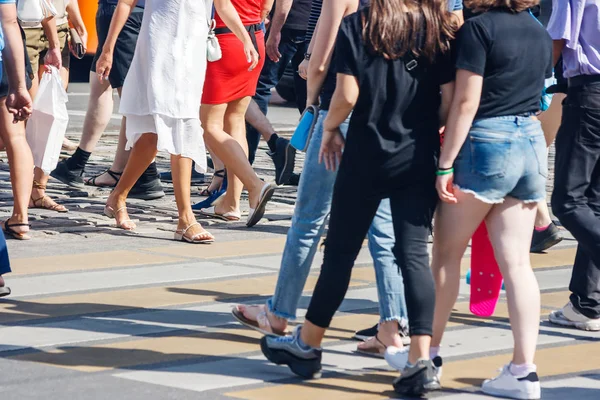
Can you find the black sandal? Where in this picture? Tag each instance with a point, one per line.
(8, 230)
(219, 174)
(115, 175)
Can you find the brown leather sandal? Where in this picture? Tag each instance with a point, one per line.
(45, 202)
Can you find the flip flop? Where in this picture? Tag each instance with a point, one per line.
(231, 216)
(257, 213)
(265, 328)
(4, 291)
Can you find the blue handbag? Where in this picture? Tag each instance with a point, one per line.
(304, 130)
(546, 97)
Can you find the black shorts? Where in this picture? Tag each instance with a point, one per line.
(125, 46)
(28, 72)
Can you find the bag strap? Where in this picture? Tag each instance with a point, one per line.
(210, 12)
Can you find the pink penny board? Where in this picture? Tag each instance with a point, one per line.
(486, 280)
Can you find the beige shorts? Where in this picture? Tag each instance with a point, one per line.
(37, 46)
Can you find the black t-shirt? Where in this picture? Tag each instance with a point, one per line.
(395, 123)
(298, 16)
(513, 53)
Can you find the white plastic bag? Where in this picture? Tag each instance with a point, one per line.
(32, 12)
(48, 124)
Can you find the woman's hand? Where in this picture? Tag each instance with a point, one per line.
(251, 54)
(104, 65)
(332, 146)
(19, 104)
(303, 69)
(445, 188)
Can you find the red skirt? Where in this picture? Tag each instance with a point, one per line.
(229, 79)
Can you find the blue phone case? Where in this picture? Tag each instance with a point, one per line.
(304, 130)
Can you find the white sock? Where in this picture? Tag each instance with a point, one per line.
(522, 369)
(434, 352)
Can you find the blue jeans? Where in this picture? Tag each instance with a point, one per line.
(504, 156)
(313, 206)
(291, 48)
(4, 260)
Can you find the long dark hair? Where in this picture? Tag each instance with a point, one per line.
(391, 28)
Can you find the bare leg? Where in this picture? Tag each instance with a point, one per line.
(181, 168)
(235, 125)
(99, 111)
(121, 155)
(229, 150)
(259, 121)
(510, 228)
(216, 182)
(142, 155)
(550, 120)
(453, 229)
(21, 165)
(542, 217)
(388, 334)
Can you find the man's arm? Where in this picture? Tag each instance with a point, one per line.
(282, 10)
(557, 48)
(77, 21)
(53, 56)
(119, 18)
(563, 26)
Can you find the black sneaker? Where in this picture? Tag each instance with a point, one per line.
(417, 380)
(365, 334)
(283, 157)
(545, 239)
(147, 190)
(73, 178)
(294, 180)
(286, 350)
(197, 177)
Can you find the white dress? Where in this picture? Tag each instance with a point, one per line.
(163, 89)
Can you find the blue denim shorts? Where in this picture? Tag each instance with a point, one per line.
(503, 157)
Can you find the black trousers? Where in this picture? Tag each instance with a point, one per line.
(352, 212)
(292, 48)
(576, 197)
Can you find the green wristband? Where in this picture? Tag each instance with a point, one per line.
(444, 172)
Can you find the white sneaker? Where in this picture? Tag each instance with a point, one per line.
(397, 358)
(569, 316)
(513, 387)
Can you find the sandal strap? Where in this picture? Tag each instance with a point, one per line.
(263, 321)
(9, 225)
(115, 175)
(220, 173)
(379, 341)
(183, 232)
(39, 186)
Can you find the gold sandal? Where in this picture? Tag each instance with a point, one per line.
(45, 202)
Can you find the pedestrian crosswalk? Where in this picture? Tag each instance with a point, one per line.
(158, 318)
